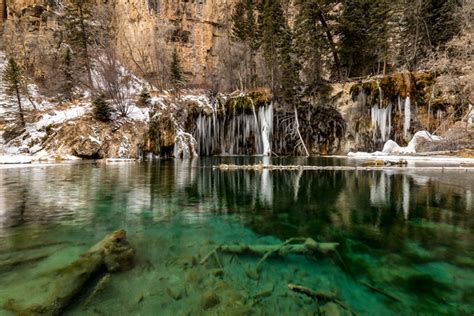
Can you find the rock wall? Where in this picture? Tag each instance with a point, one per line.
(195, 28)
(148, 30)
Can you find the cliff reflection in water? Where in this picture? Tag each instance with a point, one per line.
(80, 193)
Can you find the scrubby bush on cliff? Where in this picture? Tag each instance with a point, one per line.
(102, 111)
(144, 98)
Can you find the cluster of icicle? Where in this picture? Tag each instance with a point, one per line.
(381, 117)
(236, 133)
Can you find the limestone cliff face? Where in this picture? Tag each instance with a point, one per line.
(148, 30)
(154, 27)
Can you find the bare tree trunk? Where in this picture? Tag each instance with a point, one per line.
(18, 98)
(298, 132)
(335, 55)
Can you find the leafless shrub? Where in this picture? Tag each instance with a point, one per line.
(115, 82)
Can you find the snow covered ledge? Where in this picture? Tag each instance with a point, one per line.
(392, 151)
(15, 159)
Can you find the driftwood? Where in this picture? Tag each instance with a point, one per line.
(112, 254)
(305, 246)
(320, 296)
(298, 246)
(323, 296)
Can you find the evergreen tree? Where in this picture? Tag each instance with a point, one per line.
(272, 35)
(246, 29)
(67, 80)
(312, 46)
(239, 23)
(363, 31)
(144, 97)
(102, 111)
(13, 77)
(176, 73)
(289, 67)
(426, 25)
(79, 29)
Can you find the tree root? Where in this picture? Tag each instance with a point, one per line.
(113, 253)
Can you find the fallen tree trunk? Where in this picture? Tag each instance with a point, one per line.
(112, 254)
(320, 296)
(304, 247)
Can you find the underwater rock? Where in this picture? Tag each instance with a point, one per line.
(209, 300)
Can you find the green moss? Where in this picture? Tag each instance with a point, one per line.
(245, 103)
(389, 88)
(354, 91)
(370, 87)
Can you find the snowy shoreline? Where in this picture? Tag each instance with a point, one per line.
(25, 160)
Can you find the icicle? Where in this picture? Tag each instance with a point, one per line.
(407, 116)
(381, 121)
(230, 135)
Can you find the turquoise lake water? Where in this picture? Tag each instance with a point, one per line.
(410, 235)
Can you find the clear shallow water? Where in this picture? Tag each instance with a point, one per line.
(408, 234)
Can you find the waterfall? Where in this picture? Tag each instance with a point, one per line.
(235, 133)
(381, 121)
(407, 116)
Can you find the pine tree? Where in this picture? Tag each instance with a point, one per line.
(273, 31)
(239, 23)
(67, 80)
(13, 77)
(312, 46)
(176, 73)
(144, 97)
(246, 29)
(289, 67)
(363, 31)
(102, 111)
(79, 31)
(426, 25)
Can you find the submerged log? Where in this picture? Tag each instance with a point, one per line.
(112, 254)
(320, 296)
(304, 247)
